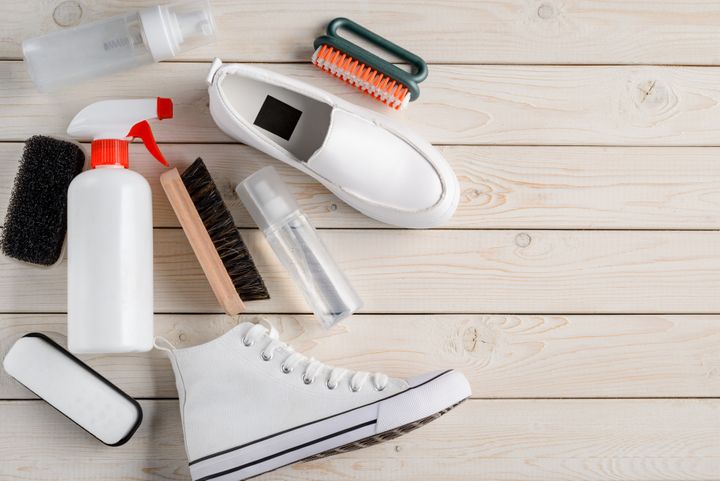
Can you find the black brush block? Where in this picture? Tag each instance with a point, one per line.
(220, 225)
(36, 220)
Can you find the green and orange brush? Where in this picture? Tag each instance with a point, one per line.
(371, 74)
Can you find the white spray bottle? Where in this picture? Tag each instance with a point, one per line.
(110, 231)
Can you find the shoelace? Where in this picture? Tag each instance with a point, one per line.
(312, 366)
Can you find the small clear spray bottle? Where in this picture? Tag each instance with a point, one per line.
(297, 245)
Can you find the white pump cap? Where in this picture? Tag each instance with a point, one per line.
(177, 27)
(266, 198)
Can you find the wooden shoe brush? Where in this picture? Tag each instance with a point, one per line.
(212, 234)
(371, 74)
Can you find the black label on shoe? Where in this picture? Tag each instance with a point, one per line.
(278, 117)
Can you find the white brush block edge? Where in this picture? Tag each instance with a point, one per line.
(73, 388)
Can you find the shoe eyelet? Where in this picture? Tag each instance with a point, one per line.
(247, 342)
(286, 369)
(265, 356)
(330, 386)
(308, 380)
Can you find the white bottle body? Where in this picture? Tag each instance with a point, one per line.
(110, 262)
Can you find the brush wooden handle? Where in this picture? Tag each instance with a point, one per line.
(201, 243)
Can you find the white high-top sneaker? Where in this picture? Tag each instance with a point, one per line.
(250, 404)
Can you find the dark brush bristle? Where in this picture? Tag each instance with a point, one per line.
(220, 225)
(36, 219)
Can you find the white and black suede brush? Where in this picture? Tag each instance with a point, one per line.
(36, 219)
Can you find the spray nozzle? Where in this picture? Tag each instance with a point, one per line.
(109, 124)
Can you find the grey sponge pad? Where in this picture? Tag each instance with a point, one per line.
(36, 219)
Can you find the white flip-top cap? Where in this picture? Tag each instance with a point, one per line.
(267, 198)
(177, 27)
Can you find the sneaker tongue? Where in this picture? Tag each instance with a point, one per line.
(244, 326)
(270, 331)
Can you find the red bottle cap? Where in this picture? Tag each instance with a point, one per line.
(109, 152)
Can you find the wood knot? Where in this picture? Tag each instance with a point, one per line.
(480, 339)
(472, 194)
(546, 11)
(471, 338)
(478, 197)
(227, 192)
(523, 239)
(67, 14)
(654, 96)
(332, 207)
(648, 92)
(647, 100)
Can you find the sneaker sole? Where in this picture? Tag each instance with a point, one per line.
(355, 429)
(382, 437)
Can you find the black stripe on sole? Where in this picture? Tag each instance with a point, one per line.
(289, 450)
(381, 437)
(355, 445)
(229, 450)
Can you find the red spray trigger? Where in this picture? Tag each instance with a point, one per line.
(142, 131)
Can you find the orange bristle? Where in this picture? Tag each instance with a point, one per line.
(368, 80)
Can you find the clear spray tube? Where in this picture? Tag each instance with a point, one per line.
(297, 245)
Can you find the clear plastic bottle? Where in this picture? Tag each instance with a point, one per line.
(297, 245)
(118, 43)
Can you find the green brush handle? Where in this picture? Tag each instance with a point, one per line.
(420, 69)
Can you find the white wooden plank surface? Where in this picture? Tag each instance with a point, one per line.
(502, 356)
(466, 31)
(502, 187)
(460, 104)
(460, 271)
(533, 440)
(498, 125)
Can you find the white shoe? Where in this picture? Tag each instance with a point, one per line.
(383, 170)
(250, 404)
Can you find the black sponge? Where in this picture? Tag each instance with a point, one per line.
(36, 219)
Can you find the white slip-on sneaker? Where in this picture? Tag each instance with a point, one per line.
(380, 168)
(250, 404)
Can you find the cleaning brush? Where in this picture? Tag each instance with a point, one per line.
(36, 220)
(371, 74)
(217, 244)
